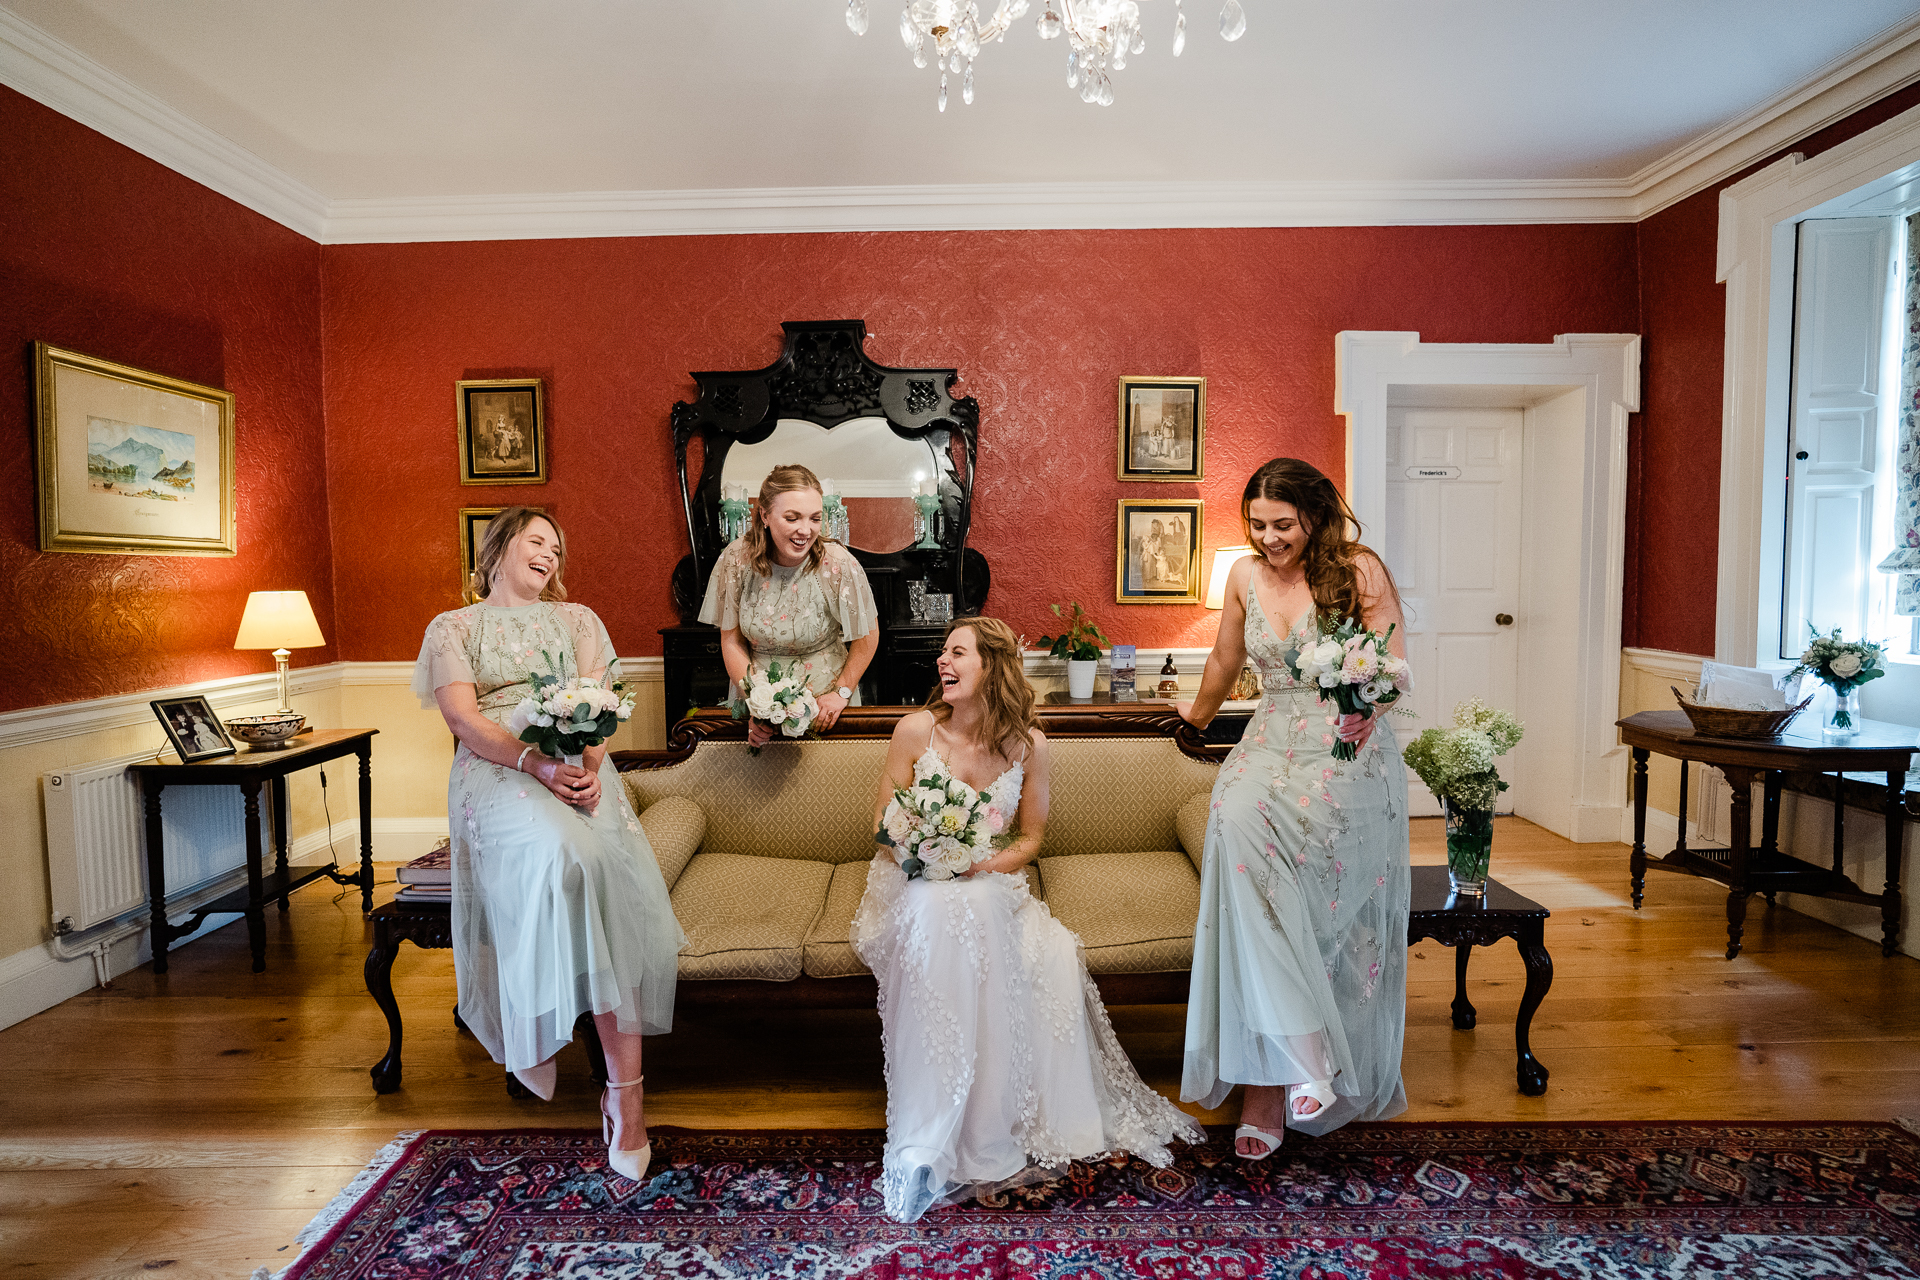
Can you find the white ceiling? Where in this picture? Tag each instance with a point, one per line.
(395, 100)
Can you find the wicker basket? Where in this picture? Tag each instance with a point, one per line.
(1731, 722)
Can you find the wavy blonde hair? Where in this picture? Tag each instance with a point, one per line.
(783, 479)
(501, 532)
(1333, 551)
(1007, 698)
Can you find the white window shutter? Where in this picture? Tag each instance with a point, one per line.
(1841, 276)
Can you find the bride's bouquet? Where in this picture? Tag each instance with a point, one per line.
(940, 827)
(565, 717)
(1355, 670)
(778, 697)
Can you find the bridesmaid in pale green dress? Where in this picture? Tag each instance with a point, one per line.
(1300, 951)
(559, 908)
(783, 593)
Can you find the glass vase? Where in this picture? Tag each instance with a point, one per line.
(1843, 717)
(1469, 848)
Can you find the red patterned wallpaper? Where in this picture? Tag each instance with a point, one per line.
(1041, 325)
(107, 252)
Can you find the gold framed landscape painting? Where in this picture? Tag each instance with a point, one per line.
(1157, 560)
(503, 431)
(1163, 429)
(130, 462)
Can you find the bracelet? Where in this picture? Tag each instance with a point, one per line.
(523, 756)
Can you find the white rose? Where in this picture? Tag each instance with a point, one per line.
(800, 714)
(930, 872)
(899, 823)
(761, 702)
(959, 792)
(948, 854)
(1846, 666)
(522, 715)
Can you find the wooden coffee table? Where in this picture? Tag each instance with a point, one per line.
(1466, 923)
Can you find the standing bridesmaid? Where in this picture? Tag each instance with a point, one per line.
(1299, 954)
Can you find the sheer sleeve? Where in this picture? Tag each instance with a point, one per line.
(721, 608)
(593, 653)
(849, 595)
(444, 659)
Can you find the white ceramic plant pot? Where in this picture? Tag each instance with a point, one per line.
(1080, 677)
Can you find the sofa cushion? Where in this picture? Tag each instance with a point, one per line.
(829, 952)
(1191, 824)
(1134, 912)
(747, 917)
(1119, 793)
(809, 800)
(675, 826)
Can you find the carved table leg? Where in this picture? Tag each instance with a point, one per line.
(277, 795)
(1533, 950)
(256, 881)
(162, 932)
(379, 972)
(1896, 820)
(1638, 862)
(1464, 1015)
(1739, 854)
(365, 752)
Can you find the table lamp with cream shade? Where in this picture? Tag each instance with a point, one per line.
(1224, 558)
(279, 620)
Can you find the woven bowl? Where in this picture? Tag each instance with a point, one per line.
(265, 731)
(1731, 722)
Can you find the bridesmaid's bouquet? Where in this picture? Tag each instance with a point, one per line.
(940, 827)
(778, 697)
(565, 717)
(1355, 670)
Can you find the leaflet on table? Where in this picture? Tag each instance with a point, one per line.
(1120, 678)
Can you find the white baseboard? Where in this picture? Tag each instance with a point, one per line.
(1598, 823)
(394, 840)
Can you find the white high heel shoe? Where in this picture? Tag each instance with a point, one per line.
(1319, 1092)
(627, 1163)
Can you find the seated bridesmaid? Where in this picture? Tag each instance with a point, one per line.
(783, 593)
(559, 908)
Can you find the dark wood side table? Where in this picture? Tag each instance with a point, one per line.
(1466, 923)
(249, 770)
(1878, 748)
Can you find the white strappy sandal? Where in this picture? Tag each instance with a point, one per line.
(629, 1164)
(1269, 1142)
(1319, 1092)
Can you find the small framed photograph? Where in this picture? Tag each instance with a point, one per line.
(131, 462)
(1158, 559)
(195, 732)
(1163, 429)
(473, 529)
(503, 431)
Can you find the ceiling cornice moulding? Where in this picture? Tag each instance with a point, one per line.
(62, 78)
(58, 76)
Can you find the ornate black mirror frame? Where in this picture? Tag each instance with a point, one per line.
(823, 376)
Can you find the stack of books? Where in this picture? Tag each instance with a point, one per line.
(429, 877)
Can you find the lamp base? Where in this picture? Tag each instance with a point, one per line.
(280, 657)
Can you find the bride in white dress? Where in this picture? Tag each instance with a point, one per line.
(1001, 1065)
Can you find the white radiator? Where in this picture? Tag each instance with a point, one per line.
(97, 847)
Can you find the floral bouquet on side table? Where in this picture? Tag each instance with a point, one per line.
(1355, 671)
(940, 827)
(1457, 766)
(1843, 666)
(780, 698)
(565, 717)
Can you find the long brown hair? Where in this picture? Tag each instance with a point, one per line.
(1333, 551)
(501, 531)
(1006, 698)
(782, 479)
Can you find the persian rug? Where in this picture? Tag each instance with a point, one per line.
(1474, 1201)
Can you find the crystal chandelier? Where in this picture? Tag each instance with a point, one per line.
(1100, 36)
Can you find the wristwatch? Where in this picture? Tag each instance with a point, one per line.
(845, 693)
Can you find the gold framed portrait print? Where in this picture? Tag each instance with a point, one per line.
(503, 430)
(1157, 558)
(1163, 429)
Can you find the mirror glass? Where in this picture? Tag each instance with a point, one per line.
(875, 470)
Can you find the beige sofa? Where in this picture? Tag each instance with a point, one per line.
(766, 857)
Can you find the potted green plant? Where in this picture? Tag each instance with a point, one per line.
(1457, 766)
(1080, 645)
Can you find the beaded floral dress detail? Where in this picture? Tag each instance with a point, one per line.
(1299, 968)
(1002, 1067)
(799, 616)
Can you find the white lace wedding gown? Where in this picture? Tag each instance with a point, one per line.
(1001, 1064)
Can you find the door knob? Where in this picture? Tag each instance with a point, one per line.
(1503, 619)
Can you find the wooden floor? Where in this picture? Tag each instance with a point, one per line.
(191, 1124)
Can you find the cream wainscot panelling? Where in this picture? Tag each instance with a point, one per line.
(410, 759)
(1647, 680)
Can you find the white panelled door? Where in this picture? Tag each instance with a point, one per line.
(1453, 542)
(1840, 302)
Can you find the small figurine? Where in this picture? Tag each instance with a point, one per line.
(1169, 679)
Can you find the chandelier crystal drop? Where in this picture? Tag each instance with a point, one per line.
(1101, 34)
